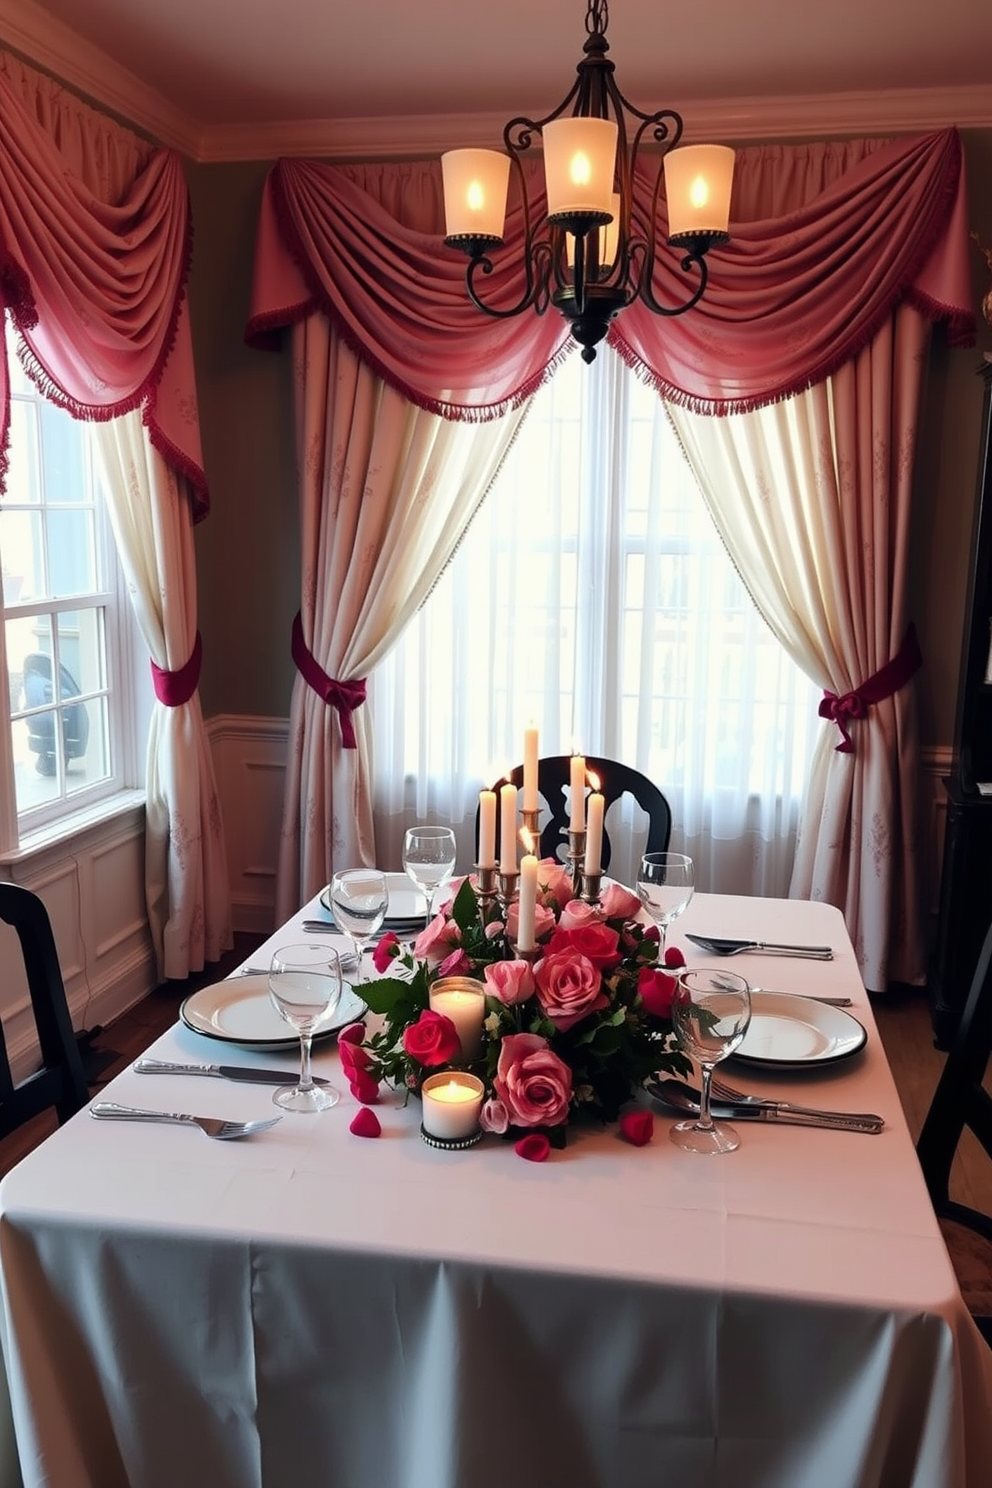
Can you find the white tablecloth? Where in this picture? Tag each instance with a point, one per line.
(378, 1314)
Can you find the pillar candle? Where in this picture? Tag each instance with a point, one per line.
(463, 1000)
(528, 902)
(508, 828)
(530, 769)
(487, 829)
(594, 834)
(577, 794)
(451, 1102)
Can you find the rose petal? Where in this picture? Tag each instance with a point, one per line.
(365, 1123)
(364, 1088)
(534, 1147)
(674, 957)
(353, 1034)
(637, 1127)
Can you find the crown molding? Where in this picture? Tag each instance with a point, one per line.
(46, 43)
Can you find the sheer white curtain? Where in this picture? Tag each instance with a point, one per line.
(592, 596)
(385, 491)
(813, 498)
(186, 883)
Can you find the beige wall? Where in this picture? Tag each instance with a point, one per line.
(247, 548)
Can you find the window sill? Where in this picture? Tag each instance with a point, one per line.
(58, 833)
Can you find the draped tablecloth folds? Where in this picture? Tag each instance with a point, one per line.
(370, 1313)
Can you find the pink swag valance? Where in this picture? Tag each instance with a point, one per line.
(790, 299)
(97, 290)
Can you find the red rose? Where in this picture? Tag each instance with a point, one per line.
(432, 1040)
(657, 989)
(352, 1034)
(596, 941)
(637, 1127)
(674, 957)
(387, 949)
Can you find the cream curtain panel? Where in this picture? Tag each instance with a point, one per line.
(61, 151)
(186, 884)
(386, 490)
(812, 497)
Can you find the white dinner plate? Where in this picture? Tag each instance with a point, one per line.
(407, 906)
(790, 1032)
(239, 1011)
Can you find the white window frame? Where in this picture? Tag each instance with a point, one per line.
(128, 703)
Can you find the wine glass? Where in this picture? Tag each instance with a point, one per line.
(665, 887)
(710, 1014)
(429, 860)
(359, 899)
(305, 988)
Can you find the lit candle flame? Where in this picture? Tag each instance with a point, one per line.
(526, 840)
(593, 779)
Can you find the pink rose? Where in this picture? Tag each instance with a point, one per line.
(637, 1127)
(510, 981)
(597, 942)
(387, 949)
(657, 989)
(577, 914)
(432, 1040)
(554, 882)
(438, 941)
(457, 964)
(449, 893)
(569, 988)
(618, 903)
(533, 1084)
(544, 921)
(494, 1116)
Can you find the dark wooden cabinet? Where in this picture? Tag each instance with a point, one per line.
(966, 875)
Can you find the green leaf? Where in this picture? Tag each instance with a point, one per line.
(387, 995)
(465, 910)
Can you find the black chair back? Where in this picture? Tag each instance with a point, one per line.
(959, 1101)
(615, 780)
(61, 1081)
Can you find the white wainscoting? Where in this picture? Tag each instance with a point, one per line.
(250, 761)
(93, 886)
(249, 757)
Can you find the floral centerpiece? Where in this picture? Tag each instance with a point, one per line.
(570, 1032)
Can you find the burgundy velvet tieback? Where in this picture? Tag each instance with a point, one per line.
(175, 688)
(887, 680)
(345, 696)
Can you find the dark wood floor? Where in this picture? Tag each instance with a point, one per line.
(114, 1048)
(903, 1021)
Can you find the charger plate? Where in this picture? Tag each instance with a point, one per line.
(791, 1032)
(239, 1011)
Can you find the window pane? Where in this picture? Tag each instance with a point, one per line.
(22, 551)
(63, 442)
(23, 480)
(88, 732)
(71, 553)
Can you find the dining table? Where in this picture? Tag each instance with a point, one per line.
(311, 1307)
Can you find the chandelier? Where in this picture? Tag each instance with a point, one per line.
(594, 252)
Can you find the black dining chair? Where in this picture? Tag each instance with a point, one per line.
(959, 1101)
(61, 1080)
(615, 781)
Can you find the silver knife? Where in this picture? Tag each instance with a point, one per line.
(679, 1097)
(222, 1071)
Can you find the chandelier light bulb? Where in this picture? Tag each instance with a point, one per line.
(581, 171)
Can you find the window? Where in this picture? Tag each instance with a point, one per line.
(593, 596)
(65, 618)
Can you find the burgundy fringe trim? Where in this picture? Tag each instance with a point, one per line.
(15, 292)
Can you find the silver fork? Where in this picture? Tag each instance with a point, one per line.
(223, 1131)
(722, 1091)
